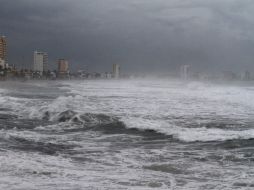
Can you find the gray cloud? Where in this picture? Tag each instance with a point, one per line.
(138, 34)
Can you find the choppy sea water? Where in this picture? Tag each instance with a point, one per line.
(158, 134)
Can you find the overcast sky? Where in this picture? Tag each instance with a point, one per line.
(150, 35)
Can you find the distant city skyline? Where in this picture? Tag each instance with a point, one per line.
(143, 36)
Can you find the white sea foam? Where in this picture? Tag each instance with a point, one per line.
(168, 107)
(189, 112)
(206, 135)
(163, 105)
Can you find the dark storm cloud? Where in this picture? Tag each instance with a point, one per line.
(138, 34)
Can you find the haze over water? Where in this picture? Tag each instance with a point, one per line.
(156, 134)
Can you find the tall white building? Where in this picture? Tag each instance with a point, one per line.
(2, 63)
(116, 71)
(40, 61)
(185, 72)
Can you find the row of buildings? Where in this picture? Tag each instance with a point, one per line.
(40, 65)
(186, 74)
(40, 68)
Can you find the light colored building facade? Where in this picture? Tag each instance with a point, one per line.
(63, 66)
(116, 71)
(2, 64)
(40, 62)
(3, 52)
(185, 72)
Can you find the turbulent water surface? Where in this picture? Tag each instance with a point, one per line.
(126, 135)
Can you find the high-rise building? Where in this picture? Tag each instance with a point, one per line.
(185, 72)
(2, 64)
(245, 75)
(116, 71)
(3, 52)
(63, 66)
(3, 48)
(40, 61)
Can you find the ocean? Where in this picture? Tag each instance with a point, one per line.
(126, 134)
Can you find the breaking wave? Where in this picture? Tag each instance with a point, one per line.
(111, 118)
(98, 122)
(114, 125)
(132, 134)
